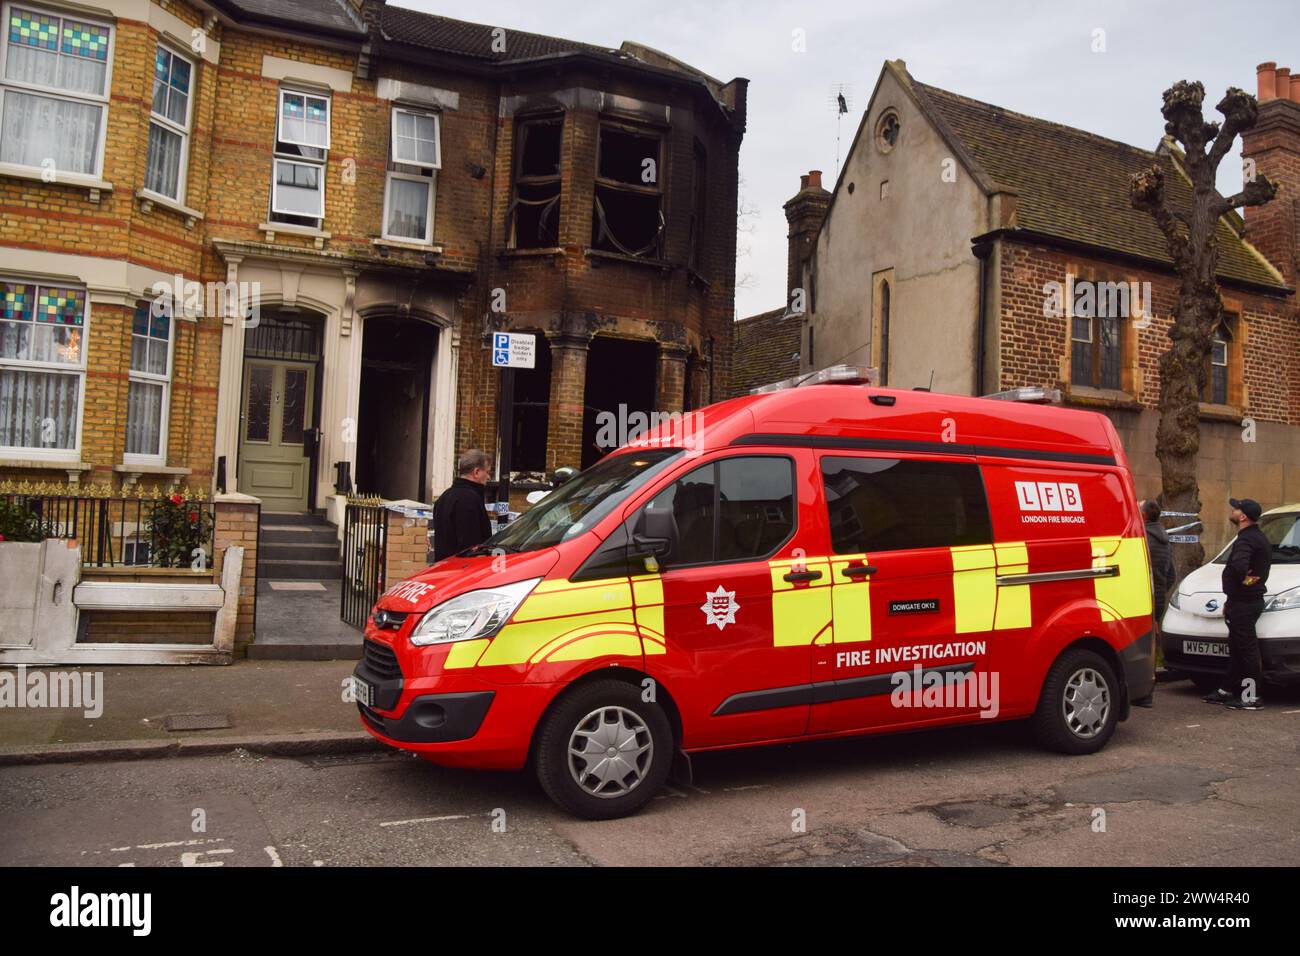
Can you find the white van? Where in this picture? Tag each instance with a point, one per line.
(1194, 633)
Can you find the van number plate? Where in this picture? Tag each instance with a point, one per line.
(1205, 648)
(364, 693)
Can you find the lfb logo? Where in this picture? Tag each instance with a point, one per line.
(1048, 496)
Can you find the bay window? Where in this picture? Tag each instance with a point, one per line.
(150, 385)
(42, 367)
(53, 91)
(414, 157)
(302, 140)
(169, 125)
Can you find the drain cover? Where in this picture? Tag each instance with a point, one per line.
(175, 722)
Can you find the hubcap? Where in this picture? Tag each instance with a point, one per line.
(1086, 702)
(610, 752)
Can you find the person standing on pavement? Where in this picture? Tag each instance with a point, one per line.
(1244, 579)
(460, 517)
(1162, 561)
(1162, 572)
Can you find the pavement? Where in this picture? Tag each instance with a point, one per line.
(1184, 783)
(264, 706)
(299, 620)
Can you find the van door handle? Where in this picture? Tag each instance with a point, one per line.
(803, 576)
(861, 571)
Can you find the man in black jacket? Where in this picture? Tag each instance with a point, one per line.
(460, 518)
(1162, 562)
(1244, 579)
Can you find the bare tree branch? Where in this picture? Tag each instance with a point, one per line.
(1147, 193)
(1254, 193)
(1240, 111)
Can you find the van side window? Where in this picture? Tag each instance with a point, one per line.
(736, 509)
(892, 504)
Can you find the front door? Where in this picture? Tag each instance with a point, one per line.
(738, 650)
(277, 413)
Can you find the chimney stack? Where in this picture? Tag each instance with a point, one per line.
(1266, 81)
(805, 214)
(1273, 146)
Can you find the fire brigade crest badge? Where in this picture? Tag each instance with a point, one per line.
(719, 607)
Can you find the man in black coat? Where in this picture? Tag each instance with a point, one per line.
(1162, 562)
(1244, 579)
(460, 517)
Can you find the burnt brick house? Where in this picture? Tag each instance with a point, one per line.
(387, 187)
(983, 249)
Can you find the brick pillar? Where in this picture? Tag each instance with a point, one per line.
(568, 388)
(237, 517)
(406, 547)
(671, 387)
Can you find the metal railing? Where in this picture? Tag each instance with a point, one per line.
(365, 535)
(125, 532)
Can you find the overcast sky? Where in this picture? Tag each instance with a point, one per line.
(1032, 57)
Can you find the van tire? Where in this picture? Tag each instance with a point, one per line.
(605, 707)
(1080, 672)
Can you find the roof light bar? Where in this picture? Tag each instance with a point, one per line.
(832, 375)
(1034, 395)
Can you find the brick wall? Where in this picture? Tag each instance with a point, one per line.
(406, 548)
(236, 524)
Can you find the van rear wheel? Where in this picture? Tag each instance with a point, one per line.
(1079, 705)
(603, 752)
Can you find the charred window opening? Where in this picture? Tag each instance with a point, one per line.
(699, 206)
(628, 215)
(532, 411)
(535, 208)
(619, 394)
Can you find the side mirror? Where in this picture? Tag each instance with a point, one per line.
(654, 537)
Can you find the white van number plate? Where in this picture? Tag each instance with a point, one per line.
(363, 692)
(1205, 648)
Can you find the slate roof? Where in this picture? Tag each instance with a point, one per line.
(1073, 185)
(462, 38)
(764, 349)
(336, 16)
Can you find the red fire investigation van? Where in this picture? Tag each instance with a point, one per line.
(812, 562)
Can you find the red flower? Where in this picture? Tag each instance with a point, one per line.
(176, 499)
(194, 516)
(2, 537)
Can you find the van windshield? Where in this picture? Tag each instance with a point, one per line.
(1283, 533)
(579, 503)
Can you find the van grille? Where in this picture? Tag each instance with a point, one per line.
(380, 660)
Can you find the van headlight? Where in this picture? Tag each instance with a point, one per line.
(1284, 601)
(471, 615)
(1173, 600)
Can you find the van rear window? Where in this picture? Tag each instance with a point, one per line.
(897, 504)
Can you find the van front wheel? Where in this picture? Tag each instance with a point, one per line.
(1079, 706)
(603, 752)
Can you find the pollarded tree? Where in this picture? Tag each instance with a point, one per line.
(1191, 234)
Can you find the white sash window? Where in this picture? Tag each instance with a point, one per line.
(169, 125)
(302, 139)
(414, 158)
(42, 368)
(149, 392)
(53, 90)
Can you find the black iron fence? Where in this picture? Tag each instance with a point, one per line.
(365, 534)
(173, 532)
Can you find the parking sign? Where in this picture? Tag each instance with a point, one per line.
(514, 350)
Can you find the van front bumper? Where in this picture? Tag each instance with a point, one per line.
(433, 718)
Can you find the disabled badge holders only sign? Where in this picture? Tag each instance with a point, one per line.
(514, 350)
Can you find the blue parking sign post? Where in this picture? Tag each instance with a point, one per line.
(510, 350)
